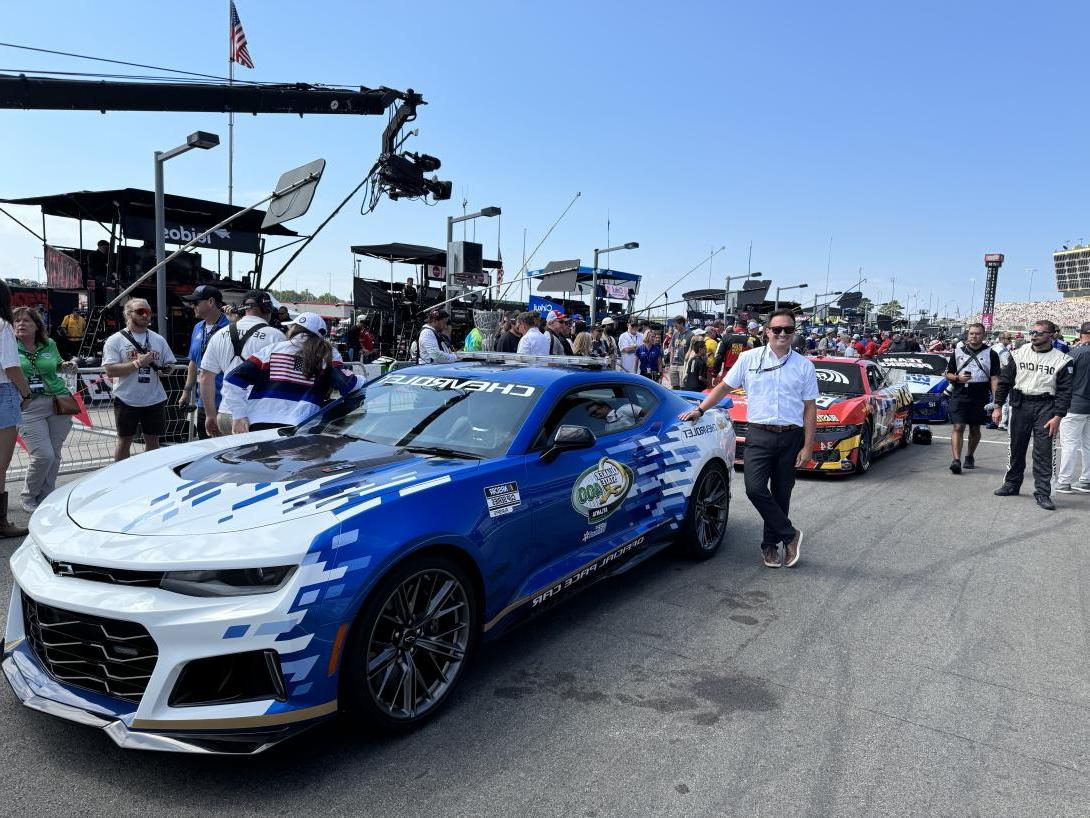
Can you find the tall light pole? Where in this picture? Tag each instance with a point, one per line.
(972, 299)
(726, 288)
(630, 245)
(486, 212)
(197, 139)
(1031, 271)
(784, 289)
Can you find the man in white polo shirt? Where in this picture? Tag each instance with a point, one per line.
(628, 343)
(781, 395)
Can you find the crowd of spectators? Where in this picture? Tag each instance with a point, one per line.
(1068, 314)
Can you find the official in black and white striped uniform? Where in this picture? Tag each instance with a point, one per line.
(1038, 380)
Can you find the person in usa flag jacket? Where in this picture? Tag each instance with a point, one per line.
(289, 381)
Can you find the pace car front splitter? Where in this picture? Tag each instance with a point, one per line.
(209, 742)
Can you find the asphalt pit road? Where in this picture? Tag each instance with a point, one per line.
(733, 693)
(661, 704)
(741, 619)
(513, 692)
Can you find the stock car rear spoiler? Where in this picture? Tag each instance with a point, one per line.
(697, 397)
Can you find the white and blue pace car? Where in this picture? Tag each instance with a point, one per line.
(221, 595)
(925, 376)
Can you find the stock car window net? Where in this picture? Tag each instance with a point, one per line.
(475, 417)
(839, 379)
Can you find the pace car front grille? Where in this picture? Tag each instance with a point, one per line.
(108, 656)
(114, 576)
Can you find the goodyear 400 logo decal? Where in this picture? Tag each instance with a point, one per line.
(600, 490)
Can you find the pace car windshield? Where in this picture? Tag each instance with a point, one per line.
(839, 379)
(443, 415)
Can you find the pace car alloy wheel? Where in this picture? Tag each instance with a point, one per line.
(411, 645)
(863, 452)
(706, 519)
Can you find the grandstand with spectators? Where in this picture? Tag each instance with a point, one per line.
(1066, 313)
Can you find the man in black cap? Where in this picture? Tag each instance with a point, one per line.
(207, 304)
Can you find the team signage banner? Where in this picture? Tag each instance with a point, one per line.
(618, 291)
(543, 305)
(62, 272)
(226, 238)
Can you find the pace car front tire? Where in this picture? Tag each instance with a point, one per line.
(410, 644)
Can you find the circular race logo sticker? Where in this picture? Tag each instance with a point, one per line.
(832, 376)
(600, 490)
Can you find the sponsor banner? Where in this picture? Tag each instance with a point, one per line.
(502, 499)
(986, 319)
(226, 238)
(617, 291)
(62, 272)
(543, 305)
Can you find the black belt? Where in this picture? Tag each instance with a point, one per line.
(1036, 397)
(772, 427)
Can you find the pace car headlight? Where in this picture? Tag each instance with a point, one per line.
(228, 582)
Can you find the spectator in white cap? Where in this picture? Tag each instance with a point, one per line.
(754, 330)
(288, 381)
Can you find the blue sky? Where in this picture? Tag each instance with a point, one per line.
(919, 136)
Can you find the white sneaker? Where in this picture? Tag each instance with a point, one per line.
(1064, 488)
(29, 506)
(1082, 487)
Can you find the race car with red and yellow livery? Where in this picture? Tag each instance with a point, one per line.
(861, 412)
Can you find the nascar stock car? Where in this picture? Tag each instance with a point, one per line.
(925, 376)
(861, 412)
(221, 595)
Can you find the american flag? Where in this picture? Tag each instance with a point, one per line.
(499, 272)
(239, 52)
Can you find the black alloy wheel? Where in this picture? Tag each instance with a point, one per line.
(706, 517)
(865, 449)
(411, 644)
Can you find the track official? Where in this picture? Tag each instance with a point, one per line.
(1038, 380)
(781, 393)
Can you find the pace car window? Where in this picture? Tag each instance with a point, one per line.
(839, 379)
(458, 415)
(605, 410)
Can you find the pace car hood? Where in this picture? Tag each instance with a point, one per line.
(831, 409)
(241, 487)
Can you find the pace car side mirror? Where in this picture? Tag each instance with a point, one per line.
(568, 438)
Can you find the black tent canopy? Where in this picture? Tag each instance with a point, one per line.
(107, 205)
(410, 254)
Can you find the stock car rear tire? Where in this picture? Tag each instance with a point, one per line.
(707, 514)
(410, 644)
(866, 448)
(906, 437)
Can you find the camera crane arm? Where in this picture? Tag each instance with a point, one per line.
(47, 94)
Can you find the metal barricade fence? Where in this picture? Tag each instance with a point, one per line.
(91, 442)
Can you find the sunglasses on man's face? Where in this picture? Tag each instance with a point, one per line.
(143, 312)
(780, 330)
(1036, 332)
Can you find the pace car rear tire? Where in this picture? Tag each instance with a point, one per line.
(706, 517)
(410, 644)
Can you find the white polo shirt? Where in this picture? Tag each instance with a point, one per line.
(220, 356)
(534, 342)
(775, 387)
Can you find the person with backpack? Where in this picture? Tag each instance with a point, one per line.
(134, 357)
(207, 303)
(973, 373)
(285, 383)
(230, 347)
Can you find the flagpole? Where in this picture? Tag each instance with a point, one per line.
(230, 126)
